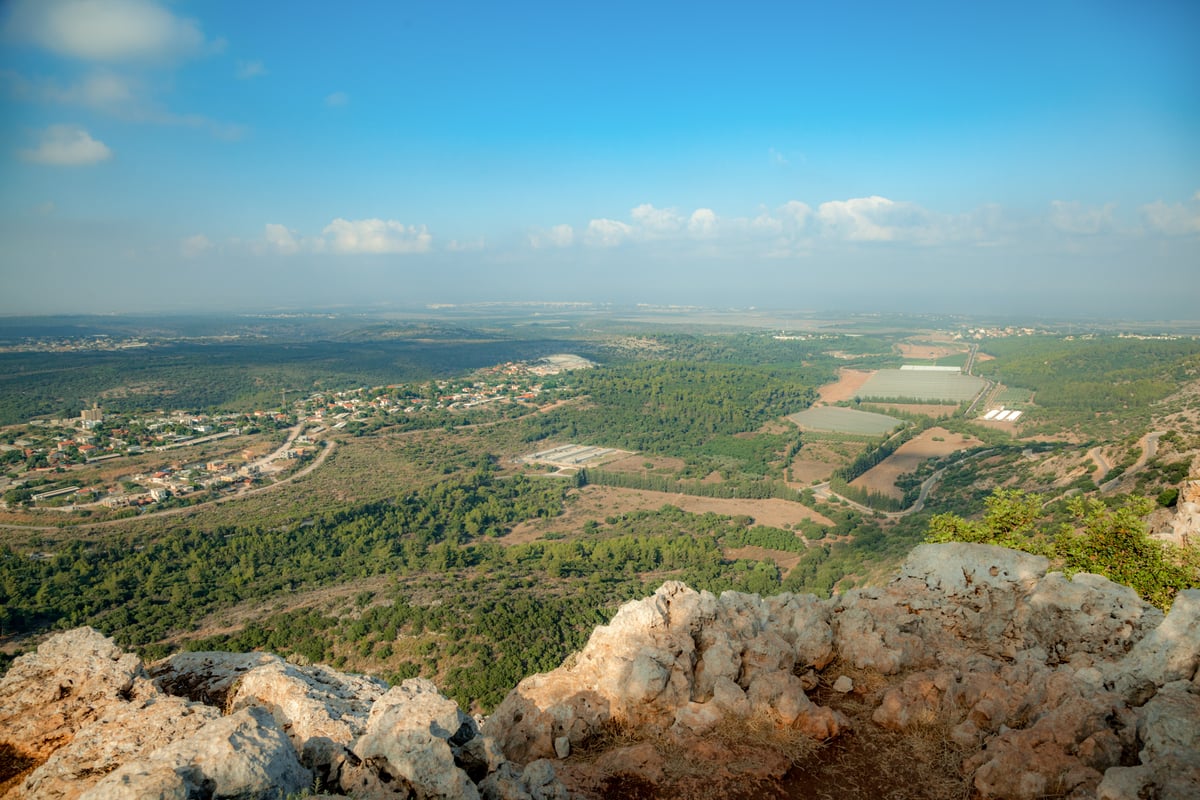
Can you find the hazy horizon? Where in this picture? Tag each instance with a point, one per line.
(935, 158)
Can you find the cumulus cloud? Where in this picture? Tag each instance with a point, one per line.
(607, 232)
(107, 30)
(67, 146)
(1175, 219)
(557, 236)
(337, 99)
(194, 246)
(857, 219)
(376, 236)
(1072, 217)
(281, 240)
(703, 222)
(656, 221)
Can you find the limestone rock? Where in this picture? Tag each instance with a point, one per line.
(71, 680)
(244, 756)
(123, 732)
(1170, 652)
(410, 728)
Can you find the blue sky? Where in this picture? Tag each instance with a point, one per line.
(1021, 157)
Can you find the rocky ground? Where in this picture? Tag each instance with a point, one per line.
(975, 672)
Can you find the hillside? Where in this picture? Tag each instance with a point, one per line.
(974, 672)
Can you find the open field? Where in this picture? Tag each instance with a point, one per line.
(844, 420)
(782, 558)
(598, 502)
(846, 387)
(817, 460)
(929, 351)
(921, 385)
(928, 409)
(642, 463)
(932, 443)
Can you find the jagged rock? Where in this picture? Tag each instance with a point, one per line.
(71, 680)
(1170, 652)
(122, 732)
(410, 728)
(659, 663)
(1086, 613)
(1185, 527)
(1169, 729)
(1061, 682)
(244, 756)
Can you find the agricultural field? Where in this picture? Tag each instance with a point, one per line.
(845, 387)
(920, 385)
(932, 443)
(845, 420)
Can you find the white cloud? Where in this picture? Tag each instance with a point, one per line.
(67, 146)
(107, 30)
(656, 222)
(194, 246)
(557, 236)
(1173, 220)
(1075, 218)
(607, 232)
(280, 239)
(376, 236)
(250, 69)
(337, 99)
(703, 222)
(468, 246)
(857, 219)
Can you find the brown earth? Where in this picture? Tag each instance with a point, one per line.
(598, 502)
(882, 477)
(927, 351)
(637, 463)
(782, 558)
(848, 383)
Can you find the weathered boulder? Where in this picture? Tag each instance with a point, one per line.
(47, 696)
(410, 729)
(121, 733)
(244, 756)
(1170, 652)
(674, 660)
(1168, 728)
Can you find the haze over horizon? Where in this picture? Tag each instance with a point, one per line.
(1028, 158)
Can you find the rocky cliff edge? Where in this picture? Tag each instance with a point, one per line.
(1044, 685)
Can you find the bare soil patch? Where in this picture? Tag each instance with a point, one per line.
(817, 460)
(847, 385)
(598, 502)
(638, 463)
(932, 443)
(927, 351)
(782, 558)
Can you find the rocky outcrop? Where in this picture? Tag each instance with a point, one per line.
(1048, 685)
(1185, 527)
(94, 724)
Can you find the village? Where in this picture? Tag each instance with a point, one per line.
(74, 465)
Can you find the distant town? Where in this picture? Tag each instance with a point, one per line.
(43, 462)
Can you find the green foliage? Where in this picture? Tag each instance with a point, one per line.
(1108, 541)
(688, 410)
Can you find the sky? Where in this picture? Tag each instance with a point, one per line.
(1022, 157)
